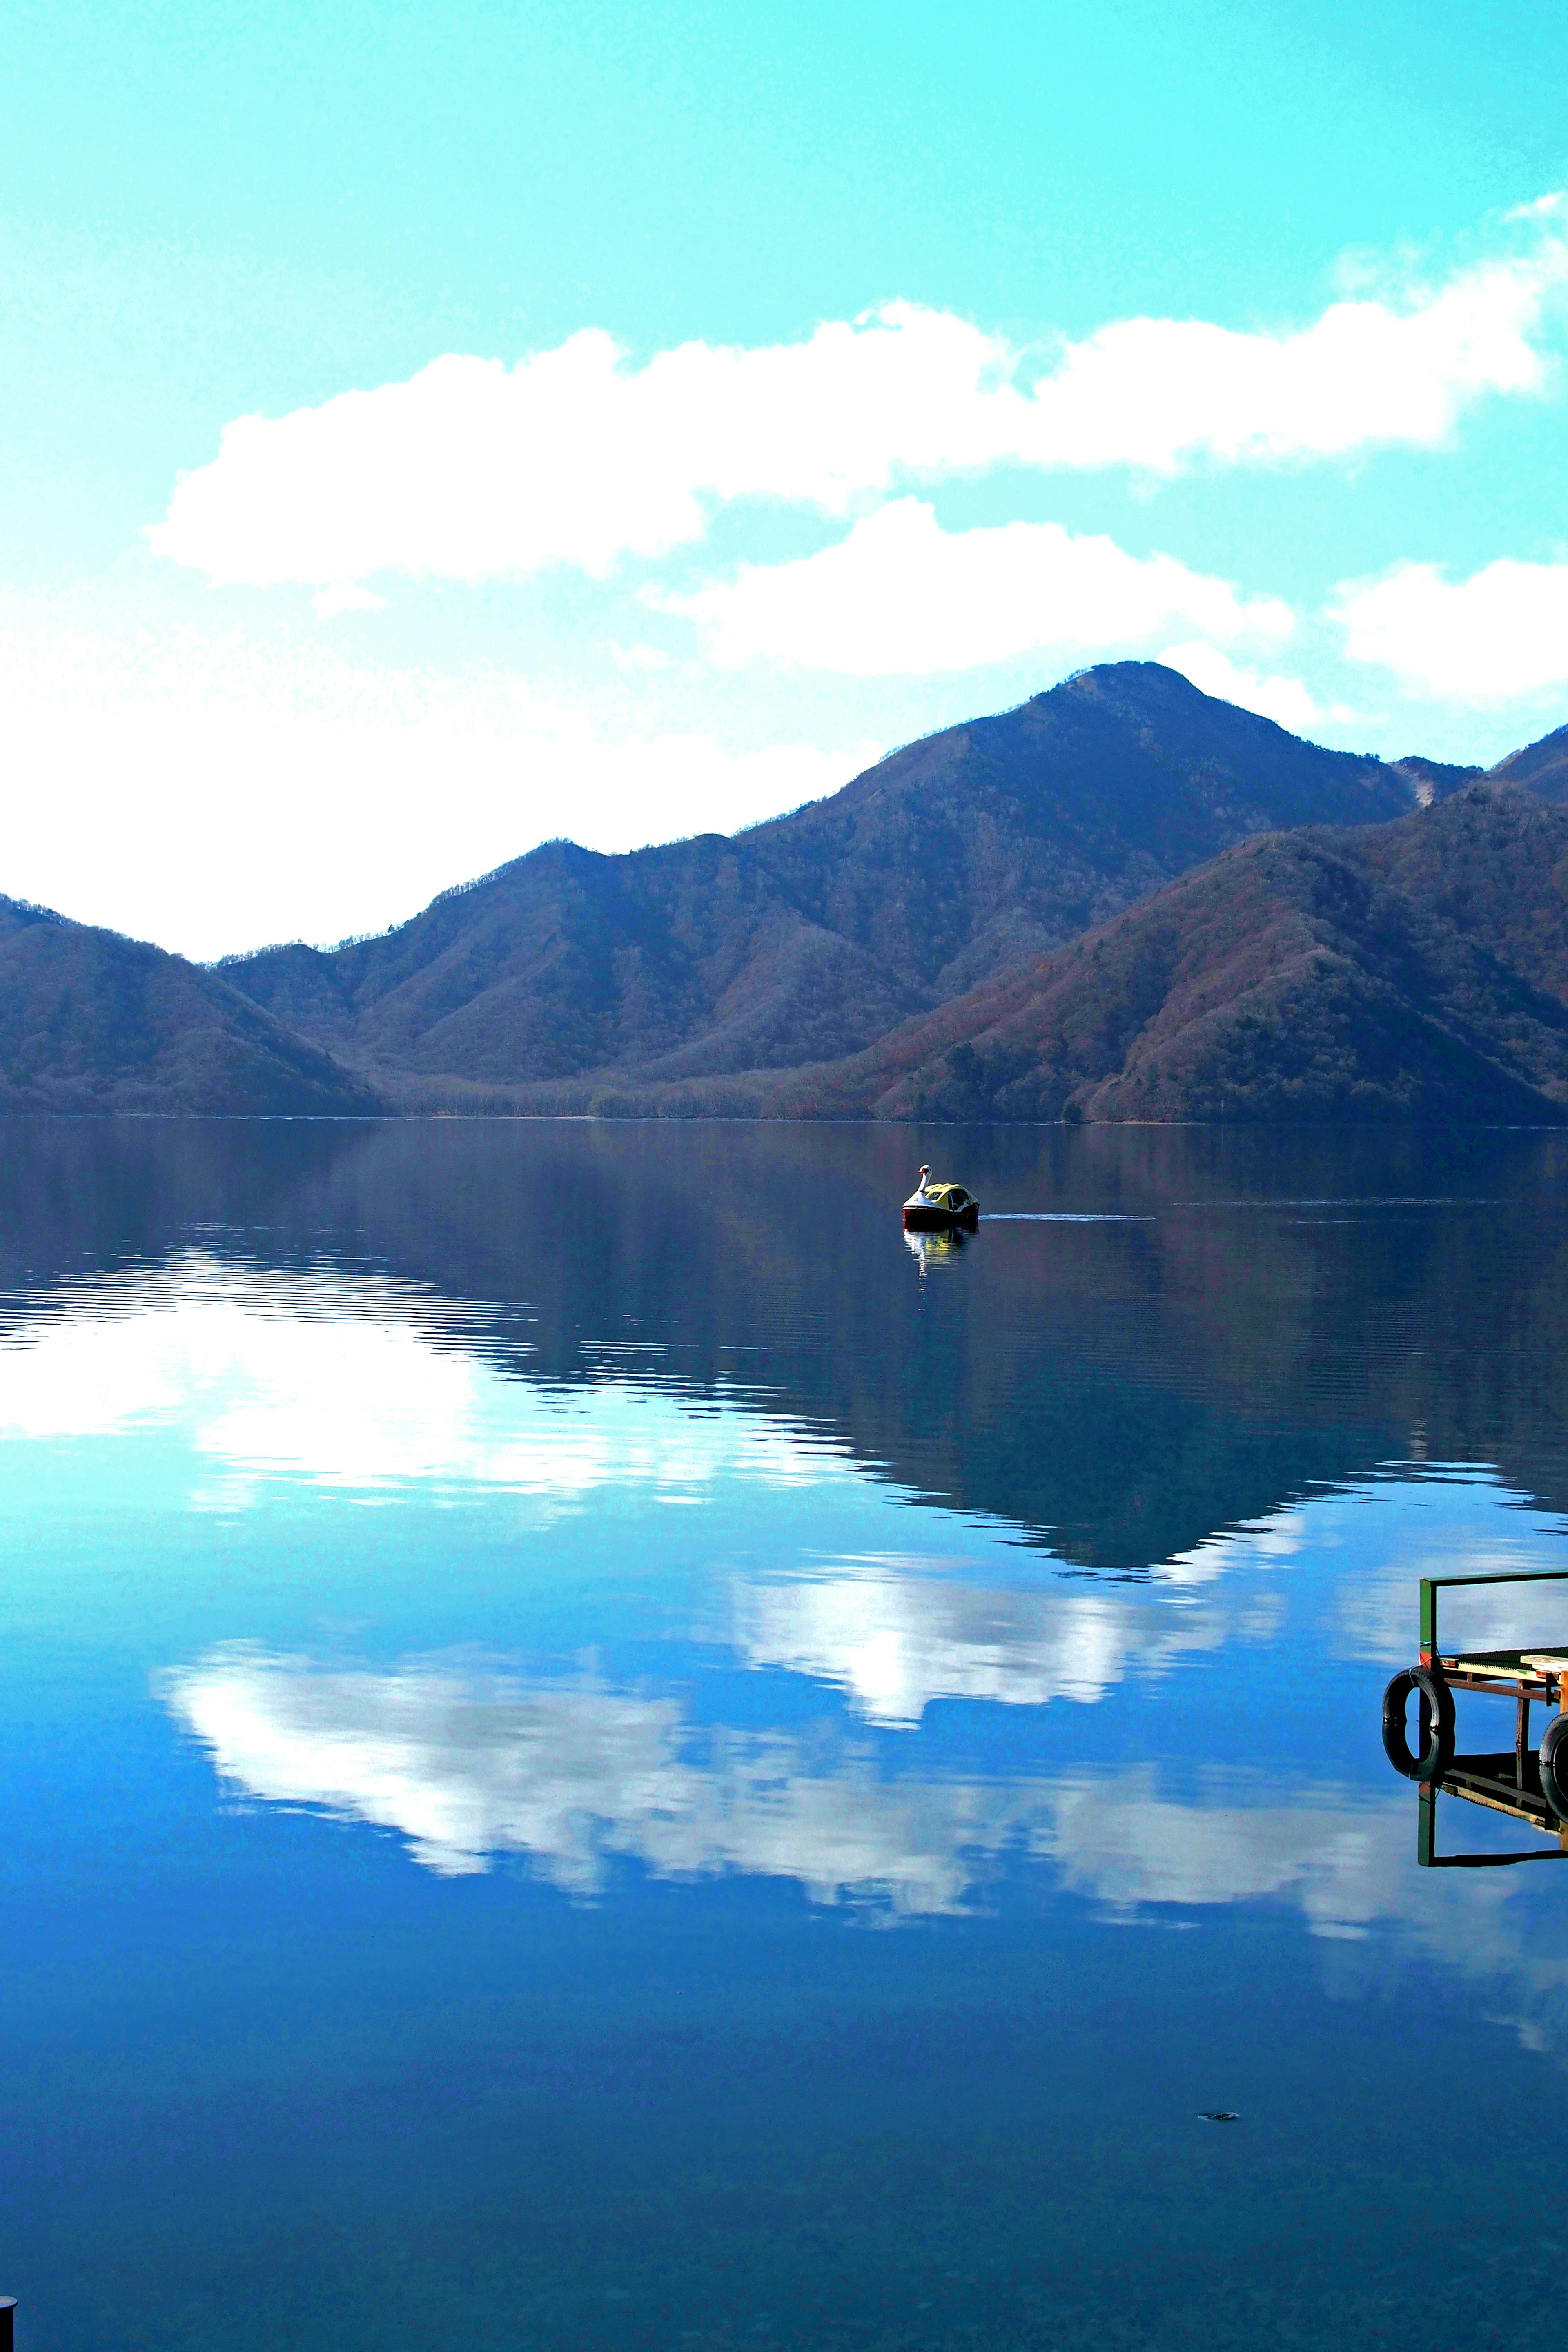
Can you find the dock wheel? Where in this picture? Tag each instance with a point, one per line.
(1437, 1724)
(1554, 1765)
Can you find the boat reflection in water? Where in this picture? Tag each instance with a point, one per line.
(935, 1251)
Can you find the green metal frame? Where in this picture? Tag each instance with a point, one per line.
(1431, 1585)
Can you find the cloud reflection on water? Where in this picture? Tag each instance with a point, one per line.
(470, 1763)
(896, 1638)
(472, 1766)
(356, 1382)
(363, 1384)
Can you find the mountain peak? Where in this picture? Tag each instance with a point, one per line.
(1155, 680)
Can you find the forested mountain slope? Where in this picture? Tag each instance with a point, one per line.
(91, 1022)
(1417, 970)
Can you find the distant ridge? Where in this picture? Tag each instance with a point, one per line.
(1543, 766)
(1417, 971)
(1434, 780)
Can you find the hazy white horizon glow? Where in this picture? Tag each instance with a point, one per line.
(344, 756)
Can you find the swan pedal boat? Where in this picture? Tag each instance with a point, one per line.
(938, 1207)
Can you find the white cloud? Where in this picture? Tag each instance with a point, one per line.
(330, 601)
(1503, 630)
(172, 776)
(471, 470)
(1284, 699)
(901, 595)
(1158, 393)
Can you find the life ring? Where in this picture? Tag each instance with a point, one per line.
(1437, 1708)
(1555, 1765)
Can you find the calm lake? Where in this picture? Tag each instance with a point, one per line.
(601, 1751)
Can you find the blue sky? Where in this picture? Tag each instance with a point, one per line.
(635, 530)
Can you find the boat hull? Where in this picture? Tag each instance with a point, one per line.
(943, 1220)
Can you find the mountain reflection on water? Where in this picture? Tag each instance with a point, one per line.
(496, 1612)
(1216, 1323)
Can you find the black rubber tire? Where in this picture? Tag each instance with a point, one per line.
(1437, 1724)
(1555, 1765)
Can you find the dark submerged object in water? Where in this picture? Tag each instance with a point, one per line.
(939, 1208)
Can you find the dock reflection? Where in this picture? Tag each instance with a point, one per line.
(1427, 1855)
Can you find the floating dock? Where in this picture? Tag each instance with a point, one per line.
(1529, 1784)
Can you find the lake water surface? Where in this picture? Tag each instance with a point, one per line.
(600, 1751)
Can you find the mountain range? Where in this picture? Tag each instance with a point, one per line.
(1124, 900)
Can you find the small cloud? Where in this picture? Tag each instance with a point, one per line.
(640, 658)
(1502, 632)
(901, 597)
(346, 598)
(1284, 699)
